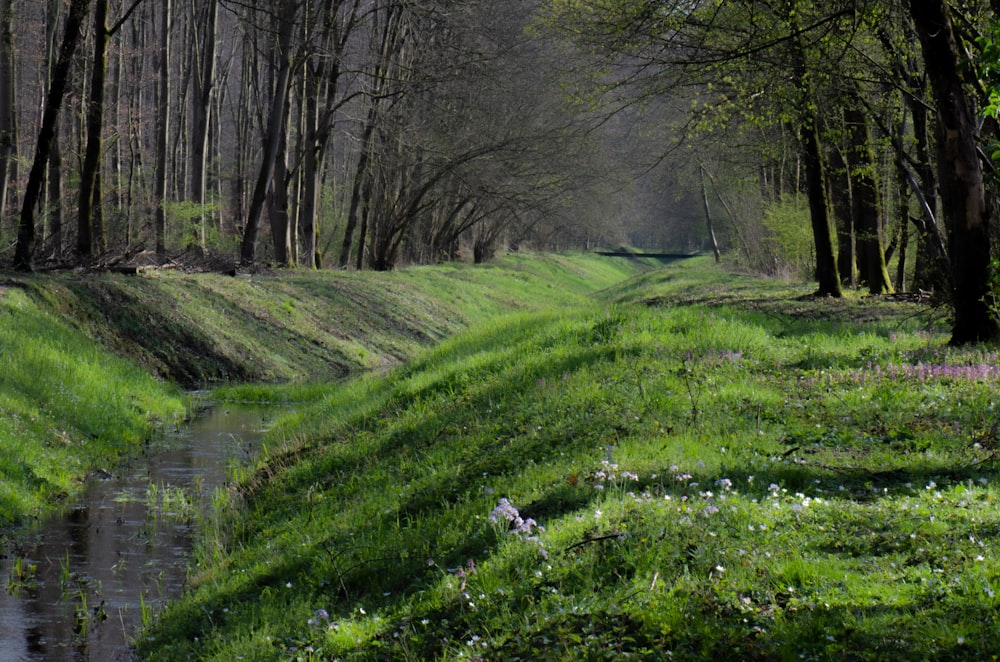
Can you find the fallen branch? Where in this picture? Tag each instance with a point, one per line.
(590, 540)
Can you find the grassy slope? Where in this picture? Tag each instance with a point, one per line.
(65, 407)
(68, 406)
(753, 475)
(210, 328)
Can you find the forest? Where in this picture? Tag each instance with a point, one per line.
(852, 141)
(787, 447)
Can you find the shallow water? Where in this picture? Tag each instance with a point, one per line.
(75, 587)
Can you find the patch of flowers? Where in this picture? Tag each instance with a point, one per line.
(525, 528)
(321, 617)
(925, 372)
(610, 473)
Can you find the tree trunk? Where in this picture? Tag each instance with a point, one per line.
(840, 198)
(244, 131)
(162, 131)
(89, 193)
(8, 114)
(311, 171)
(24, 250)
(827, 277)
(708, 216)
(201, 110)
(116, 199)
(53, 187)
(361, 177)
(325, 75)
(136, 96)
(275, 128)
(278, 205)
(960, 174)
(931, 271)
(903, 216)
(365, 214)
(826, 264)
(865, 208)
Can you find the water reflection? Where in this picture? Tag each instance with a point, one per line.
(75, 588)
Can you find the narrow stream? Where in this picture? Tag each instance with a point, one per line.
(76, 587)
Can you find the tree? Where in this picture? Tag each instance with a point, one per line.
(915, 171)
(329, 31)
(819, 208)
(24, 249)
(204, 56)
(865, 203)
(284, 18)
(385, 29)
(162, 128)
(89, 214)
(396, 131)
(960, 174)
(8, 114)
(737, 55)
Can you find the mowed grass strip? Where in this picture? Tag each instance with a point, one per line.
(638, 477)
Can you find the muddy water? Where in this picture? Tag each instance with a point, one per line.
(76, 587)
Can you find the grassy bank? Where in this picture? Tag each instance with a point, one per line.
(90, 364)
(753, 474)
(197, 329)
(66, 407)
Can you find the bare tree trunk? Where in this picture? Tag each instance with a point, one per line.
(708, 216)
(115, 199)
(90, 223)
(24, 250)
(931, 270)
(162, 130)
(54, 194)
(826, 265)
(311, 172)
(865, 208)
(903, 216)
(321, 80)
(275, 128)
(89, 196)
(278, 203)
(361, 190)
(243, 136)
(366, 198)
(201, 109)
(840, 198)
(8, 108)
(136, 188)
(52, 191)
(960, 173)
(361, 177)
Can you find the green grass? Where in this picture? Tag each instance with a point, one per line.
(198, 329)
(77, 351)
(66, 407)
(705, 466)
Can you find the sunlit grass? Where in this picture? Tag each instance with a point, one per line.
(712, 480)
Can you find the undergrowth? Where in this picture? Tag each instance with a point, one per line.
(629, 479)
